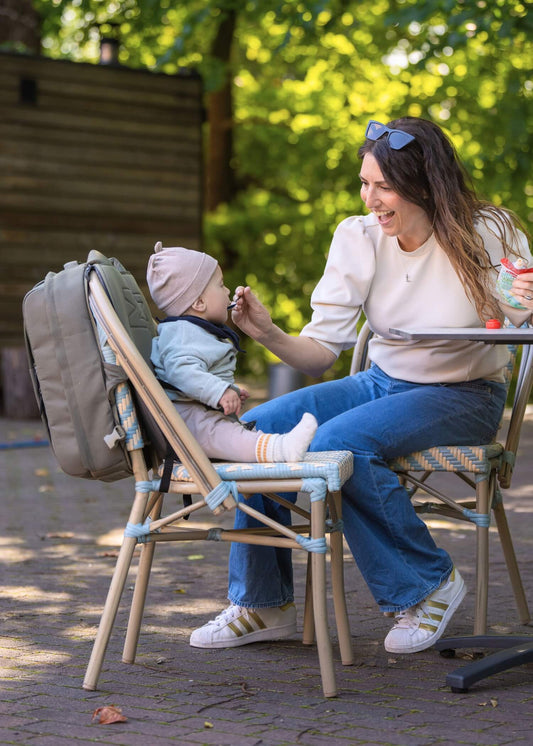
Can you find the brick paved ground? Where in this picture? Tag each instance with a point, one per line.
(58, 544)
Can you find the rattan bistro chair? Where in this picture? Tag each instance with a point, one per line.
(213, 488)
(483, 468)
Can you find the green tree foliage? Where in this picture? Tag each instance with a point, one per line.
(305, 77)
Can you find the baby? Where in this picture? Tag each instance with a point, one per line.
(194, 357)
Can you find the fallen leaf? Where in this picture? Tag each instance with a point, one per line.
(207, 724)
(42, 472)
(109, 714)
(494, 702)
(195, 557)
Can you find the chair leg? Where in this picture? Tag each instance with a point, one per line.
(139, 594)
(318, 560)
(109, 613)
(337, 582)
(483, 490)
(118, 581)
(138, 602)
(308, 637)
(482, 559)
(510, 560)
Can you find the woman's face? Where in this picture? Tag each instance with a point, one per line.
(396, 216)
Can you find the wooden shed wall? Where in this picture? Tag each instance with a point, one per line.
(92, 157)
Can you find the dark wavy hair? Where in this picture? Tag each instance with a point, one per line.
(428, 173)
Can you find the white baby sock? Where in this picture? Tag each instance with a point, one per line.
(291, 446)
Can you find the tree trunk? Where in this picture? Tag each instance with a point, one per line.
(220, 176)
(20, 24)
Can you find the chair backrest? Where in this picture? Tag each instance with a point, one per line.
(148, 391)
(134, 313)
(360, 359)
(524, 383)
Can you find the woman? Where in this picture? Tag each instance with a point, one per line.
(427, 254)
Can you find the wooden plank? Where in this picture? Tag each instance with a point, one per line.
(35, 139)
(114, 93)
(134, 107)
(56, 168)
(178, 94)
(118, 194)
(87, 123)
(63, 204)
(86, 223)
(172, 90)
(100, 75)
(96, 148)
(43, 244)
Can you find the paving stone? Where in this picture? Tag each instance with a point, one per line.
(57, 551)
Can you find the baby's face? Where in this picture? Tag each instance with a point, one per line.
(216, 297)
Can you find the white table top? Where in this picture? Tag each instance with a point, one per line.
(506, 335)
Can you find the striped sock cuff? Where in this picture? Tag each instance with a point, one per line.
(261, 448)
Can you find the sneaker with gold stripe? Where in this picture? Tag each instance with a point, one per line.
(239, 626)
(422, 625)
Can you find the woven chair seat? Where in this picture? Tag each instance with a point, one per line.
(474, 459)
(333, 466)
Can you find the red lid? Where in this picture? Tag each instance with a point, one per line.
(492, 324)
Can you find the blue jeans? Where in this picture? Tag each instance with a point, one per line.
(376, 417)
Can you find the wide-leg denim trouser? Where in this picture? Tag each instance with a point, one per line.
(376, 417)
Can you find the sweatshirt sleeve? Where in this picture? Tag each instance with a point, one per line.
(340, 294)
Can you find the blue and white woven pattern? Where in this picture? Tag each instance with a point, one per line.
(128, 417)
(475, 459)
(333, 466)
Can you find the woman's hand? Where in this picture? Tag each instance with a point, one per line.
(250, 314)
(303, 353)
(522, 288)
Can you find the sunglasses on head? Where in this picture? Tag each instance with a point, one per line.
(397, 139)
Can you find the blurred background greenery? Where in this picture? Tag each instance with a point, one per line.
(289, 87)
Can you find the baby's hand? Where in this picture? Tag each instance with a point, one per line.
(230, 402)
(244, 394)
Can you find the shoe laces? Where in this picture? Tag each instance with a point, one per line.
(409, 618)
(227, 615)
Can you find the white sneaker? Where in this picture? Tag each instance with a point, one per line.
(239, 626)
(421, 626)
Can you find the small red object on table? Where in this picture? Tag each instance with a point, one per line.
(492, 324)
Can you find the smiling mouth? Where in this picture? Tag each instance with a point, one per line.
(383, 215)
